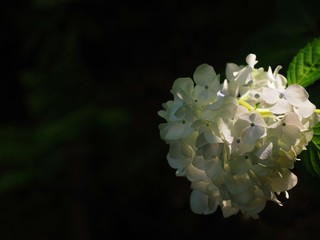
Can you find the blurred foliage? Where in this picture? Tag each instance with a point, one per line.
(82, 81)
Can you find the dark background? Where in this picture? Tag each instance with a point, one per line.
(82, 81)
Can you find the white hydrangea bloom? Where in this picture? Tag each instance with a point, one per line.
(237, 141)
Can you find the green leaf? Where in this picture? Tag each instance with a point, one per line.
(311, 157)
(304, 69)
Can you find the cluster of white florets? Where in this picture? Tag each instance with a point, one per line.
(237, 140)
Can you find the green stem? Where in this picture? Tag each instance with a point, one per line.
(262, 111)
(245, 104)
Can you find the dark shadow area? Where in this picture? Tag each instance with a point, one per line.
(82, 81)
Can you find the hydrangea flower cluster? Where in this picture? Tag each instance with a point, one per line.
(237, 140)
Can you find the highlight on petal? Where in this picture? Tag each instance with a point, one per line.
(230, 70)
(183, 88)
(265, 151)
(227, 209)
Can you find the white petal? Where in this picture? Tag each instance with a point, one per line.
(281, 82)
(215, 170)
(240, 125)
(293, 119)
(176, 130)
(204, 75)
(238, 166)
(179, 164)
(261, 170)
(255, 206)
(182, 88)
(162, 113)
(276, 81)
(201, 186)
(242, 147)
(212, 150)
(224, 89)
(246, 196)
(290, 134)
(207, 137)
(276, 71)
(241, 110)
(251, 134)
(270, 95)
(282, 106)
(201, 140)
(225, 130)
(243, 75)
(257, 119)
(200, 163)
(239, 184)
(186, 150)
(251, 60)
(296, 95)
(195, 174)
(198, 202)
(284, 183)
(213, 202)
(176, 159)
(227, 209)
(230, 69)
(265, 151)
(306, 109)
